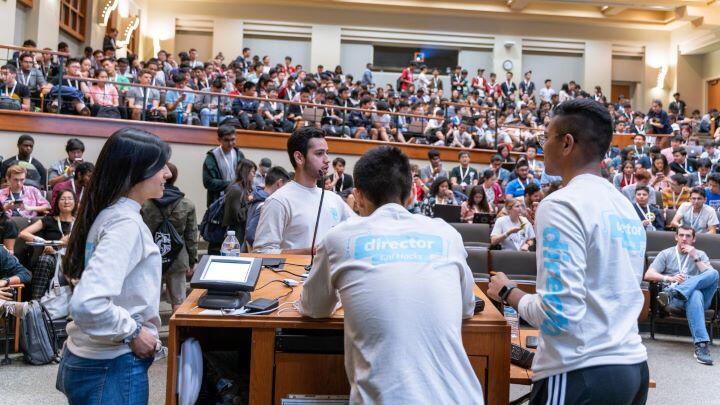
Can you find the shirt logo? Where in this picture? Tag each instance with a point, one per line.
(412, 247)
(629, 231)
(335, 215)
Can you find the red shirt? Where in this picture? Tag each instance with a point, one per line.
(406, 74)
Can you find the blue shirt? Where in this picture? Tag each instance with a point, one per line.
(172, 95)
(713, 199)
(517, 189)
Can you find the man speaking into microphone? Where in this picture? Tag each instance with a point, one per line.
(590, 256)
(288, 217)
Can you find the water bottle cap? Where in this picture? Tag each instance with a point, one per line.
(231, 233)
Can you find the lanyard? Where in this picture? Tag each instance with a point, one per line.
(463, 175)
(17, 158)
(693, 219)
(632, 180)
(12, 92)
(24, 80)
(645, 212)
(676, 200)
(681, 264)
(60, 226)
(700, 179)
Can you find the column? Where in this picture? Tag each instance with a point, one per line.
(7, 21)
(228, 38)
(324, 47)
(658, 73)
(44, 23)
(507, 48)
(598, 66)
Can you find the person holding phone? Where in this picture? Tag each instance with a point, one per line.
(19, 200)
(64, 169)
(513, 231)
(115, 268)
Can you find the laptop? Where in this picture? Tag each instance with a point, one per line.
(481, 218)
(450, 213)
(313, 114)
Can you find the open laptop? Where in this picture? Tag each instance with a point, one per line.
(450, 213)
(481, 218)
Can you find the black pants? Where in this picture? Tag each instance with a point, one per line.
(607, 385)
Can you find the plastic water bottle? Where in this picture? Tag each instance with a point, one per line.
(180, 114)
(230, 246)
(512, 318)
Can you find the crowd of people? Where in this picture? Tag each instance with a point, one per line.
(255, 93)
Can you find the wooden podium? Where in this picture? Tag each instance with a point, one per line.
(274, 373)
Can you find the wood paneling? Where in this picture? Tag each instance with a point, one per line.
(713, 94)
(306, 373)
(618, 90)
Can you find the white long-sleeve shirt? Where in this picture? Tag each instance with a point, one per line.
(287, 218)
(121, 278)
(405, 287)
(591, 248)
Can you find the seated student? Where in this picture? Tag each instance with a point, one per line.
(396, 353)
(179, 104)
(11, 273)
(361, 121)
(287, 221)
(12, 89)
(681, 163)
(626, 175)
(463, 177)
(64, 169)
(103, 97)
(516, 188)
(702, 218)
(275, 178)
(213, 108)
(80, 180)
(19, 200)
(677, 193)
(513, 231)
(478, 203)
(710, 151)
(8, 233)
(689, 285)
(493, 191)
(712, 191)
(247, 109)
(274, 112)
(295, 111)
(700, 177)
(440, 194)
(502, 174)
(145, 102)
(36, 174)
(434, 170)
(530, 201)
(642, 179)
(649, 213)
(537, 167)
(73, 90)
(56, 226)
(341, 181)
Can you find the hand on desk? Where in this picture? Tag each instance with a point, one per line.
(497, 282)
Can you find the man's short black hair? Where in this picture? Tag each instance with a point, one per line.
(25, 137)
(74, 144)
(522, 163)
(274, 174)
(225, 130)
(699, 191)
(84, 167)
(681, 150)
(531, 189)
(496, 158)
(714, 177)
(679, 179)
(642, 188)
(299, 140)
(10, 68)
(433, 153)
(590, 124)
(338, 160)
(395, 183)
(704, 162)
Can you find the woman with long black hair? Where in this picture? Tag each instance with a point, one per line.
(115, 268)
(236, 198)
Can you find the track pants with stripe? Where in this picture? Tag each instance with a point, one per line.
(607, 385)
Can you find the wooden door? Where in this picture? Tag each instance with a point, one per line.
(713, 94)
(618, 90)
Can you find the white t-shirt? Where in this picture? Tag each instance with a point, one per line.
(287, 219)
(516, 240)
(699, 221)
(590, 257)
(405, 287)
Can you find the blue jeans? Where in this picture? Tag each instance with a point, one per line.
(698, 292)
(207, 116)
(122, 380)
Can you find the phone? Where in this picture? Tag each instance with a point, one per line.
(17, 203)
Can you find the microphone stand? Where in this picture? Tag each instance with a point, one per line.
(317, 222)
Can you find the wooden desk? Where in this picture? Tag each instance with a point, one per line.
(275, 374)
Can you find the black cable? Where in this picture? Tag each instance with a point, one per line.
(274, 270)
(288, 293)
(268, 283)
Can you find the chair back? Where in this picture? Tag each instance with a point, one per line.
(473, 232)
(669, 215)
(659, 240)
(708, 243)
(477, 260)
(519, 266)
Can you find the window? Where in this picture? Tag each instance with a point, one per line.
(393, 58)
(72, 17)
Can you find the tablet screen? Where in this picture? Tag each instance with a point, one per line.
(234, 272)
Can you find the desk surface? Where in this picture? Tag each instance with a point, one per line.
(287, 316)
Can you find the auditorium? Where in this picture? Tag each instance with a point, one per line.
(328, 202)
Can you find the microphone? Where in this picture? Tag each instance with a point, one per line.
(317, 222)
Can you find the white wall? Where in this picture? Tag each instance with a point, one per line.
(625, 69)
(560, 68)
(7, 21)
(201, 41)
(325, 46)
(472, 60)
(21, 17)
(711, 66)
(76, 47)
(354, 57)
(279, 48)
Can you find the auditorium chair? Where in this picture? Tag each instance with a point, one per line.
(474, 234)
(657, 241)
(708, 243)
(669, 215)
(477, 260)
(658, 314)
(520, 267)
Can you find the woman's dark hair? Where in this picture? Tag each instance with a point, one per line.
(394, 185)
(502, 147)
(242, 174)
(128, 157)
(56, 202)
(484, 206)
(97, 74)
(435, 187)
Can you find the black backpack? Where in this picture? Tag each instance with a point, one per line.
(211, 227)
(38, 341)
(168, 239)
